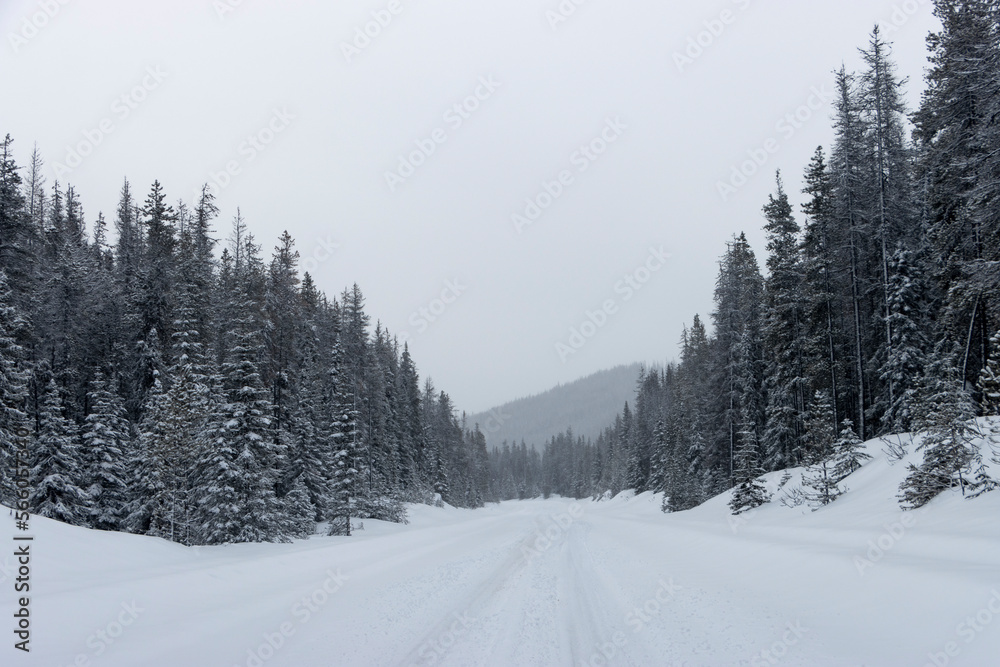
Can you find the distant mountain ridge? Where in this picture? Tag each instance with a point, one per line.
(588, 406)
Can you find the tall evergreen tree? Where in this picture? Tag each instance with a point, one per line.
(158, 221)
(13, 387)
(904, 362)
(951, 125)
(989, 380)
(106, 442)
(892, 202)
(784, 333)
(16, 231)
(749, 492)
(851, 223)
(58, 470)
(738, 376)
(159, 505)
(244, 420)
(411, 446)
(823, 285)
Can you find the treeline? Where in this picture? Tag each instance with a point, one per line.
(877, 313)
(565, 467)
(588, 404)
(168, 391)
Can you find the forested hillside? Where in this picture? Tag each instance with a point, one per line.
(154, 386)
(875, 313)
(157, 381)
(586, 405)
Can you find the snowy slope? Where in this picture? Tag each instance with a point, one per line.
(540, 583)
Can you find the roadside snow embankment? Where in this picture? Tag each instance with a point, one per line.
(553, 582)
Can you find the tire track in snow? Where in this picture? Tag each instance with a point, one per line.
(589, 622)
(489, 593)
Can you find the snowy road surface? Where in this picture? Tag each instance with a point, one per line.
(536, 583)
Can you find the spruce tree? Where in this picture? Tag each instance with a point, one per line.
(343, 432)
(823, 286)
(282, 331)
(13, 387)
(216, 480)
(310, 424)
(955, 118)
(847, 452)
(749, 492)
(106, 443)
(245, 418)
(738, 372)
(299, 510)
(949, 430)
(821, 483)
(411, 425)
(58, 470)
(891, 201)
(904, 362)
(989, 380)
(821, 434)
(625, 446)
(17, 233)
(61, 312)
(658, 466)
(784, 334)
(821, 427)
(159, 500)
(177, 415)
(384, 418)
(159, 224)
(128, 259)
(647, 408)
(850, 225)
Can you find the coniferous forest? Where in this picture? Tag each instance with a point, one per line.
(176, 384)
(875, 311)
(203, 397)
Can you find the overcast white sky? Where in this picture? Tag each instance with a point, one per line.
(336, 122)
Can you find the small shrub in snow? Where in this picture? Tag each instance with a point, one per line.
(950, 426)
(822, 485)
(794, 497)
(749, 492)
(989, 380)
(848, 452)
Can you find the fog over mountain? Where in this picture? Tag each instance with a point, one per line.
(587, 405)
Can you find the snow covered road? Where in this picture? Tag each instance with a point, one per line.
(536, 583)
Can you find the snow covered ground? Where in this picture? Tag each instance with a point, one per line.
(539, 583)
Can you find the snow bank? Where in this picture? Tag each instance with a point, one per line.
(554, 582)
